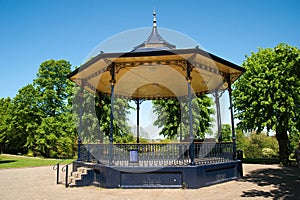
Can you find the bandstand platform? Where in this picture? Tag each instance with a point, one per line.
(158, 165)
(156, 70)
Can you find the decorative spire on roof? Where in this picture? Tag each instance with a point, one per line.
(154, 42)
(154, 18)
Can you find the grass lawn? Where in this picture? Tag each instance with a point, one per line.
(12, 161)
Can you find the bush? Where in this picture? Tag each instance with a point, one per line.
(268, 153)
(259, 146)
(294, 138)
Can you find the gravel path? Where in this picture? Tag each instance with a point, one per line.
(259, 182)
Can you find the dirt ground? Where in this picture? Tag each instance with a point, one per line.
(259, 182)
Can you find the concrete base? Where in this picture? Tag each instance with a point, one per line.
(166, 177)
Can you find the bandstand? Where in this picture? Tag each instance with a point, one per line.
(153, 70)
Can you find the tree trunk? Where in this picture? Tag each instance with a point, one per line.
(283, 142)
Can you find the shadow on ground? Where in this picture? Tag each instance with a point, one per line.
(286, 182)
(6, 161)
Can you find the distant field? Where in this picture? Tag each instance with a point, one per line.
(12, 161)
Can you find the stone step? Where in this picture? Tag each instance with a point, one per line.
(83, 170)
(77, 174)
(80, 176)
(80, 171)
(72, 179)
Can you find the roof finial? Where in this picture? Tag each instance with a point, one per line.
(154, 41)
(154, 18)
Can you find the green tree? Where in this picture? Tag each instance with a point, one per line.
(268, 93)
(260, 146)
(21, 118)
(53, 86)
(95, 125)
(27, 116)
(169, 116)
(241, 139)
(84, 104)
(55, 137)
(294, 138)
(56, 132)
(121, 129)
(39, 118)
(5, 116)
(226, 133)
(171, 113)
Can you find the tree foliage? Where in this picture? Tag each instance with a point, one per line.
(172, 114)
(27, 116)
(257, 145)
(53, 85)
(268, 94)
(169, 117)
(5, 118)
(226, 133)
(55, 134)
(294, 138)
(95, 125)
(38, 119)
(121, 108)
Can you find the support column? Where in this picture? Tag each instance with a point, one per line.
(112, 88)
(138, 103)
(180, 129)
(138, 121)
(180, 101)
(232, 117)
(80, 119)
(181, 147)
(219, 122)
(188, 77)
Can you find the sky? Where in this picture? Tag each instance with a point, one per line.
(33, 31)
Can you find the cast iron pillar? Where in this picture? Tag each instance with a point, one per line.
(112, 99)
(188, 77)
(80, 119)
(219, 122)
(138, 103)
(232, 117)
(180, 127)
